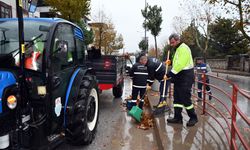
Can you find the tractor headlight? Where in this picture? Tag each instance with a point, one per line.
(12, 102)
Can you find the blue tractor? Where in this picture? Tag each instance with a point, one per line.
(55, 97)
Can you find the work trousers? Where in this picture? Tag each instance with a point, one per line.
(182, 94)
(200, 85)
(136, 91)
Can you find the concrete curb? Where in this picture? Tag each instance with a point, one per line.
(232, 72)
(156, 125)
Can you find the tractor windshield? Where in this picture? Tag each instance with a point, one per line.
(34, 37)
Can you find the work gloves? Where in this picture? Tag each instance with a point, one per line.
(168, 62)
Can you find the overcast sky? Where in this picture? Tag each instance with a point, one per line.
(127, 18)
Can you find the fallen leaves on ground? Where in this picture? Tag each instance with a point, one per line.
(146, 101)
(146, 122)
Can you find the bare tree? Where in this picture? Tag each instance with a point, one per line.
(179, 24)
(201, 16)
(242, 8)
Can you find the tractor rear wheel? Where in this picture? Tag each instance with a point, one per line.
(118, 90)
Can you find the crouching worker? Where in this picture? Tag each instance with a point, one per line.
(156, 70)
(139, 75)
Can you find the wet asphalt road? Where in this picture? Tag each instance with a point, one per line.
(113, 126)
(243, 82)
(242, 101)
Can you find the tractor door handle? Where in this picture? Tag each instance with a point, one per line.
(56, 81)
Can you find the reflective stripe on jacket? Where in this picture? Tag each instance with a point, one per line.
(139, 74)
(201, 68)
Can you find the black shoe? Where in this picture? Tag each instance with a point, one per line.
(174, 120)
(191, 122)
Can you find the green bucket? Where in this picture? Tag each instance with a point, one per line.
(136, 113)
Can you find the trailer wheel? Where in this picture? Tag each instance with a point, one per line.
(85, 118)
(118, 90)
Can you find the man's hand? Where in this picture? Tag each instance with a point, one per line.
(168, 62)
(166, 77)
(148, 87)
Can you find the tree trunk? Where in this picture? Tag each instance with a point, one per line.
(156, 50)
(100, 40)
(242, 21)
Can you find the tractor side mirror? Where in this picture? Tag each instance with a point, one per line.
(61, 46)
(44, 28)
(59, 55)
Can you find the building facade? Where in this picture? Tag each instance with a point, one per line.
(8, 9)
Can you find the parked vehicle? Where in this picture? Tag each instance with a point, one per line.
(129, 63)
(109, 71)
(56, 96)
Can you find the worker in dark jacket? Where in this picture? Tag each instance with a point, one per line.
(139, 75)
(182, 74)
(202, 68)
(156, 70)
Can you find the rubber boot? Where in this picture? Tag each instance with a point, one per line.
(177, 116)
(193, 117)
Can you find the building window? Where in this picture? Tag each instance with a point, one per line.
(5, 10)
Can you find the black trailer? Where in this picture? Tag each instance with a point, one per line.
(109, 71)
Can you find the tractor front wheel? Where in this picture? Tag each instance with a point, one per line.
(86, 114)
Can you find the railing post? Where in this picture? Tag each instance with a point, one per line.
(234, 103)
(204, 93)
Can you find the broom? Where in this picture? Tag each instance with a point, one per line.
(165, 82)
